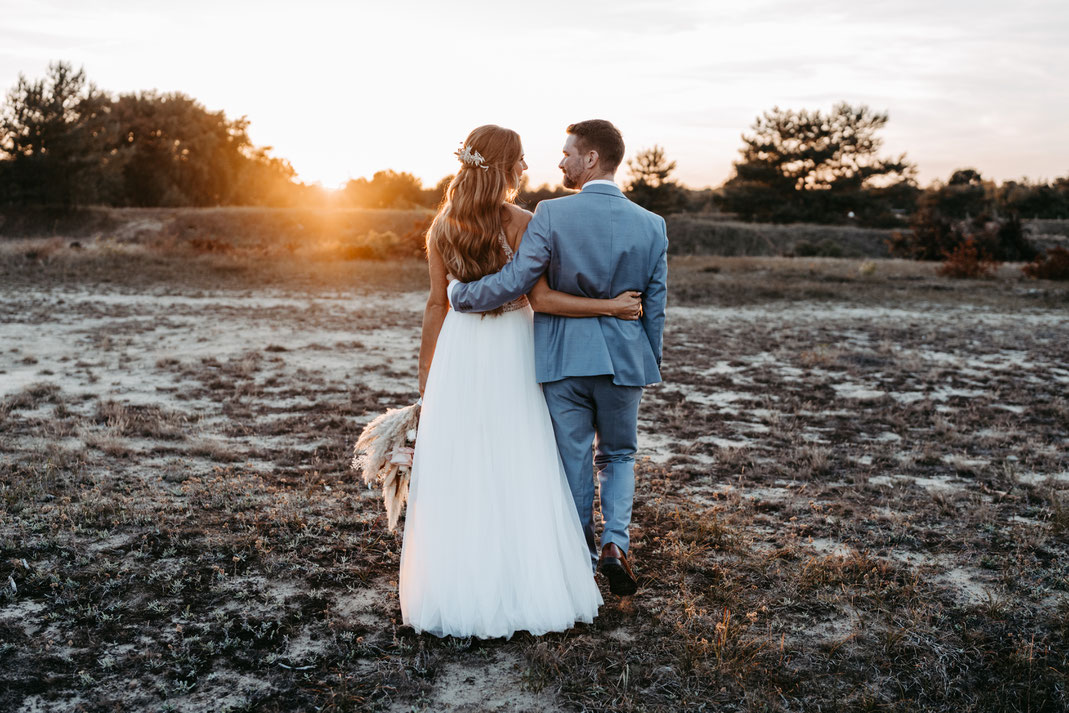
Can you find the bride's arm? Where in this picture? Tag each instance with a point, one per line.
(626, 305)
(434, 313)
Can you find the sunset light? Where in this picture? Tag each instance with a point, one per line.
(342, 90)
(653, 356)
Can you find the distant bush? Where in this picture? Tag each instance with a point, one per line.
(1006, 241)
(1052, 266)
(1036, 200)
(386, 189)
(370, 245)
(966, 194)
(208, 246)
(933, 236)
(930, 237)
(373, 246)
(968, 260)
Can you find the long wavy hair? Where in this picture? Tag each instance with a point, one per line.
(470, 218)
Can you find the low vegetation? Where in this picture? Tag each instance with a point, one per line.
(710, 234)
(1054, 265)
(968, 260)
(852, 494)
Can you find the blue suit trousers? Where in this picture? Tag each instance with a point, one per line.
(593, 412)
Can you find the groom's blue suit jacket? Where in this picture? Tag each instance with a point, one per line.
(595, 243)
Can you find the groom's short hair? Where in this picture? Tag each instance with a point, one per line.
(601, 136)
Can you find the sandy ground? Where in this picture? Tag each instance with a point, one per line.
(181, 530)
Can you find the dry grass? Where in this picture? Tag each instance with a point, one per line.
(855, 496)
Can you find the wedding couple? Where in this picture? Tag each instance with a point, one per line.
(555, 327)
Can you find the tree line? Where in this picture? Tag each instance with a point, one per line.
(811, 166)
(64, 142)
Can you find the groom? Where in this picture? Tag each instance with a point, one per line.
(595, 243)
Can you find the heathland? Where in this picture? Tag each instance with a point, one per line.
(853, 487)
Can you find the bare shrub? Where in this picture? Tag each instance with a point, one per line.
(1059, 510)
(145, 421)
(706, 528)
(370, 246)
(854, 568)
(32, 396)
(109, 444)
(933, 236)
(1054, 265)
(929, 237)
(734, 458)
(967, 260)
(216, 451)
(815, 460)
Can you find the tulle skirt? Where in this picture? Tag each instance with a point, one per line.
(492, 541)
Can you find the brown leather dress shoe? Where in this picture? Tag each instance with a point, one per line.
(614, 566)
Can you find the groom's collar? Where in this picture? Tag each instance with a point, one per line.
(601, 185)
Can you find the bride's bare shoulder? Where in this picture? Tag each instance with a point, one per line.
(516, 220)
(517, 213)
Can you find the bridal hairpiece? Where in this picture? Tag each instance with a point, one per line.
(471, 157)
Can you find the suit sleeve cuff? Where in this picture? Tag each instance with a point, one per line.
(449, 291)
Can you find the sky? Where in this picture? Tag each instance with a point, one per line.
(344, 89)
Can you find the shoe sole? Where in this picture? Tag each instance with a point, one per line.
(620, 582)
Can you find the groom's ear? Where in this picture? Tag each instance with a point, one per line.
(592, 158)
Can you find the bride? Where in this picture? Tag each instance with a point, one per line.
(492, 541)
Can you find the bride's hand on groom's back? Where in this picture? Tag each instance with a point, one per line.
(626, 305)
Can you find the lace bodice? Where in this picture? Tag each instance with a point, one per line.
(521, 301)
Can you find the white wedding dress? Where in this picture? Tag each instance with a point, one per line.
(492, 541)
